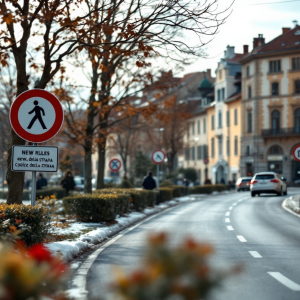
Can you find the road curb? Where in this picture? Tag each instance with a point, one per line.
(283, 205)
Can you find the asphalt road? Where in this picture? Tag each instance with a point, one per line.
(255, 232)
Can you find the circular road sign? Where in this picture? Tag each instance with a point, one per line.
(158, 156)
(296, 152)
(115, 165)
(205, 160)
(36, 116)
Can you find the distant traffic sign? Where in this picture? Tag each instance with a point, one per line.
(115, 165)
(36, 116)
(206, 161)
(31, 158)
(158, 157)
(296, 152)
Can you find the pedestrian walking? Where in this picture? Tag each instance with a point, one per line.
(68, 182)
(149, 183)
(222, 181)
(186, 183)
(207, 181)
(41, 182)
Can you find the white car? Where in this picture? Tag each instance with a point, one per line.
(268, 182)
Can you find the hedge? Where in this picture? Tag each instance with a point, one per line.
(37, 218)
(219, 187)
(92, 207)
(166, 194)
(58, 192)
(179, 191)
(150, 197)
(166, 183)
(25, 196)
(202, 189)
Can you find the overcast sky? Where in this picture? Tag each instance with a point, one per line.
(247, 20)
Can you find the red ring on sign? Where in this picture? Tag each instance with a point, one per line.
(158, 163)
(36, 138)
(294, 150)
(115, 170)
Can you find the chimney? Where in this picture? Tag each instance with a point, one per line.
(259, 41)
(285, 30)
(208, 73)
(229, 53)
(246, 49)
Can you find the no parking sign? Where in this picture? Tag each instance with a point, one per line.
(115, 165)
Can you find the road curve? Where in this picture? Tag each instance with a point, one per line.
(255, 232)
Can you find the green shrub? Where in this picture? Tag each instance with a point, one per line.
(25, 196)
(37, 218)
(150, 197)
(166, 183)
(123, 202)
(179, 191)
(202, 189)
(165, 194)
(126, 184)
(109, 185)
(58, 192)
(92, 207)
(219, 187)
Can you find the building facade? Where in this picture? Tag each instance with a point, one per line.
(271, 105)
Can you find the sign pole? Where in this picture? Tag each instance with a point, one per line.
(157, 174)
(33, 185)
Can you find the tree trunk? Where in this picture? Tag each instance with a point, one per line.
(101, 162)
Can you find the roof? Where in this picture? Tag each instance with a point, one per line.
(290, 40)
(233, 97)
(205, 84)
(236, 58)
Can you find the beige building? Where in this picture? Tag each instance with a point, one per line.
(271, 105)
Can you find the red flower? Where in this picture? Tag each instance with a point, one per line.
(40, 253)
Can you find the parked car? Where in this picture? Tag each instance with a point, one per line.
(243, 184)
(268, 182)
(79, 181)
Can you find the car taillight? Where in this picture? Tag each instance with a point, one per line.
(253, 181)
(240, 184)
(248, 183)
(274, 180)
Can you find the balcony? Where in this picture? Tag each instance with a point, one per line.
(291, 131)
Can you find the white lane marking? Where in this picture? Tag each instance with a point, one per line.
(227, 220)
(240, 200)
(241, 238)
(230, 228)
(227, 214)
(255, 254)
(285, 281)
(234, 204)
(230, 208)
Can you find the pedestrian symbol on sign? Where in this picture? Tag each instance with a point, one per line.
(37, 110)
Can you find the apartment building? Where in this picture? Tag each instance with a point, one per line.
(271, 105)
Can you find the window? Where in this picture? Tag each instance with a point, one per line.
(220, 146)
(274, 150)
(205, 151)
(219, 95)
(204, 125)
(193, 128)
(296, 63)
(248, 71)
(275, 88)
(249, 92)
(275, 117)
(249, 122)
(198, 123)
(187, 154)
(188, 131)
(220, 119)
(297, 86)
(193, 153)
(212, 122)
(199, 152)
(228, 118)
(274, 66)
(212, 147)
(297, 120)
(235, 145)
(235, 117)
(228, 146)
(248, 150)
(220, 74)
(223, 93)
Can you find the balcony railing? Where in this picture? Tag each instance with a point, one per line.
(281, 131)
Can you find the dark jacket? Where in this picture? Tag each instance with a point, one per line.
(41, 182)
(149, 183)
(68, 184)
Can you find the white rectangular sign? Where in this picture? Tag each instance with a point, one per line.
(34, 158)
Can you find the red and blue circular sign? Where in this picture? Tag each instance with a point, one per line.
(36, 116)
(296, 152)
(115, 165)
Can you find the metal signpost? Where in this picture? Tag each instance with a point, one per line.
(115, 165)
(36, 116)
(158, 157)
